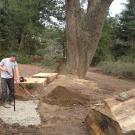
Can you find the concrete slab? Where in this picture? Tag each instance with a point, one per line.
(25, 114)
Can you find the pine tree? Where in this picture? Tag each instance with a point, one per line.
(126, 29)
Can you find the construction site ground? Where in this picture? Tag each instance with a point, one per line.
(64, 103)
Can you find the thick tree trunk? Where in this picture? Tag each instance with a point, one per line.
(73, 34)
(82, 43)
(113, 118)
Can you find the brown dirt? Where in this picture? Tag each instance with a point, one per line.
(61, 111)
(65, 97)
(29, 70)
(15, 129)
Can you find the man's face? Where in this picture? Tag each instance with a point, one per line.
(13, 58)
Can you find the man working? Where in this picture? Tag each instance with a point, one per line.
(8, 66)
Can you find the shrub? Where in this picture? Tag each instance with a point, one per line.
(49, 62)
(24, 59)
(121, 69)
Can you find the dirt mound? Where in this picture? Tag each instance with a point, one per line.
(64, 96)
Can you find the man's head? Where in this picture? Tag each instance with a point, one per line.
(13, 57)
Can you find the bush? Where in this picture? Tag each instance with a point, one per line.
(121, 69)
(24, 59)
(49, 62)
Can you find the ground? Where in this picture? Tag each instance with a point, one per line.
(65, 103)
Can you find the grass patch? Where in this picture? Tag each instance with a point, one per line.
(121, 69)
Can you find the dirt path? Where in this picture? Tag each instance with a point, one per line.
(65, 120)
(58, 119)
(28, 70)
(110, 84)
(107, 82)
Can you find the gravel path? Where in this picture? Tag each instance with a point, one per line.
(24, 115)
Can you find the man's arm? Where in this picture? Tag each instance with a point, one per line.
(2, 67)
(17, 72)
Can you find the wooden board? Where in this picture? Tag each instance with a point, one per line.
(33, 85)
(50, 76)
(30, 80)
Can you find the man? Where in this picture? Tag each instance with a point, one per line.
(8, 67)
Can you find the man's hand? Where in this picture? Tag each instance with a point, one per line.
(17, 81)
(4, 69)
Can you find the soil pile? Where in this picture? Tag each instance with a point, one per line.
(65, 96)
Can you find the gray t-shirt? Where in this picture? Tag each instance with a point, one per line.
(9, 66)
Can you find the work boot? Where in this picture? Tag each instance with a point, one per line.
(6, 105)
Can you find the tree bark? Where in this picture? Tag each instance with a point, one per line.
(22, 41)
(82, 42)
(73, 34)
(114, 117)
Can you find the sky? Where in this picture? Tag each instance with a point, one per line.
(116, 7)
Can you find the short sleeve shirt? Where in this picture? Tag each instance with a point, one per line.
(9, 66)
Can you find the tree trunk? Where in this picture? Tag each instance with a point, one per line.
(73, 34)
(22, 41)
(113, 118)
(82, 42)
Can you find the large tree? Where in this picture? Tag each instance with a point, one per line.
(125, 44)
(82, 41)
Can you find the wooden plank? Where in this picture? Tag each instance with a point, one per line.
(33, 85)
(50, 76)
(30, 80)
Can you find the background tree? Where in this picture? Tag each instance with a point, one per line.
(22, 23)
(104, 50)
(124, 45)
(82, 43)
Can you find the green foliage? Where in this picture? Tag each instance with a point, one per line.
(24, 59)
(108, 35)
(49, 62)
(121, 69)
(124, 44)
(22, 25)
(52, 41)
(118, 37)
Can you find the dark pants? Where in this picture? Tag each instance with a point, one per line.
(10, 84)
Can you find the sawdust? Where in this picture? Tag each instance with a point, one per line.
(63, 96)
